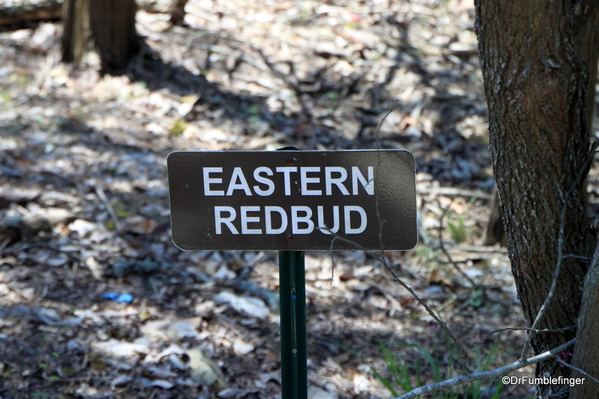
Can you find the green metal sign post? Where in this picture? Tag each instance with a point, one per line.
(292, 304)
(292, 291)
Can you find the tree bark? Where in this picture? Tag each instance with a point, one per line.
(586, 351)
(495, 233)
(113, 29)
(539, 63)
(75, 21)
(586, 339)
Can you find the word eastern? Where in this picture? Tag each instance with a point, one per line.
(303, 181)
(309, 176)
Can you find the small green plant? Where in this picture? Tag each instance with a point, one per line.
(110, 225)
(400, 372)
(178, 127)
(40, 395)
(457, 226)
(457, 229)
(428, 256)
(5, 97)
(409, 376)
(120, 208)
(19, 78)
(477, 297)
(253, 110)
(305, 13)
(333, 95)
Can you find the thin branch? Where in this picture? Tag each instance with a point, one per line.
(483, 250)
(455, 192)
(378, 129)
(524, 329)
(381, 259)
(578, 257)
(378, 213)
(487, 375)
(442, 247)
(4, 243)
(577, 369)
(560, 248)
(100, 193)
(333, 264)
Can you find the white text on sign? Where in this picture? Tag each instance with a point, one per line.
(296, 219)
(331, 176)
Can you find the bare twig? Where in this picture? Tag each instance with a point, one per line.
(487, 375)
(483, 250)
(378, 214)
(381, 259)
(442, 247)
(381, 222)
(455, 192)
(578, 257)
(100, 193)
(4, 243)
(523, 329)
(560, 248)
(378, 128)
(577, 369)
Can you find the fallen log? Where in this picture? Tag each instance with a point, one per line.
(15, 12)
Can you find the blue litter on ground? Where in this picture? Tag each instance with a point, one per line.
(120, 298)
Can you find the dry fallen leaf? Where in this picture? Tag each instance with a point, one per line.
(203, 370)
(140, 225)
(242, 348)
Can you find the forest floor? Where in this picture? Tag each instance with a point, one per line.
(97, 302)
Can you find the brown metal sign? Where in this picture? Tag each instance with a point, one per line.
(293, 200)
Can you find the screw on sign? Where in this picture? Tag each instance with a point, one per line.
(292, 201)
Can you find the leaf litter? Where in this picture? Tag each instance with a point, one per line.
(84, 200)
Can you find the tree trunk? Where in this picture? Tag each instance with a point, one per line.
(75, 21)
(495, 233)
(585, 358)
(586, 352)
(539, 63)
(113, 29)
